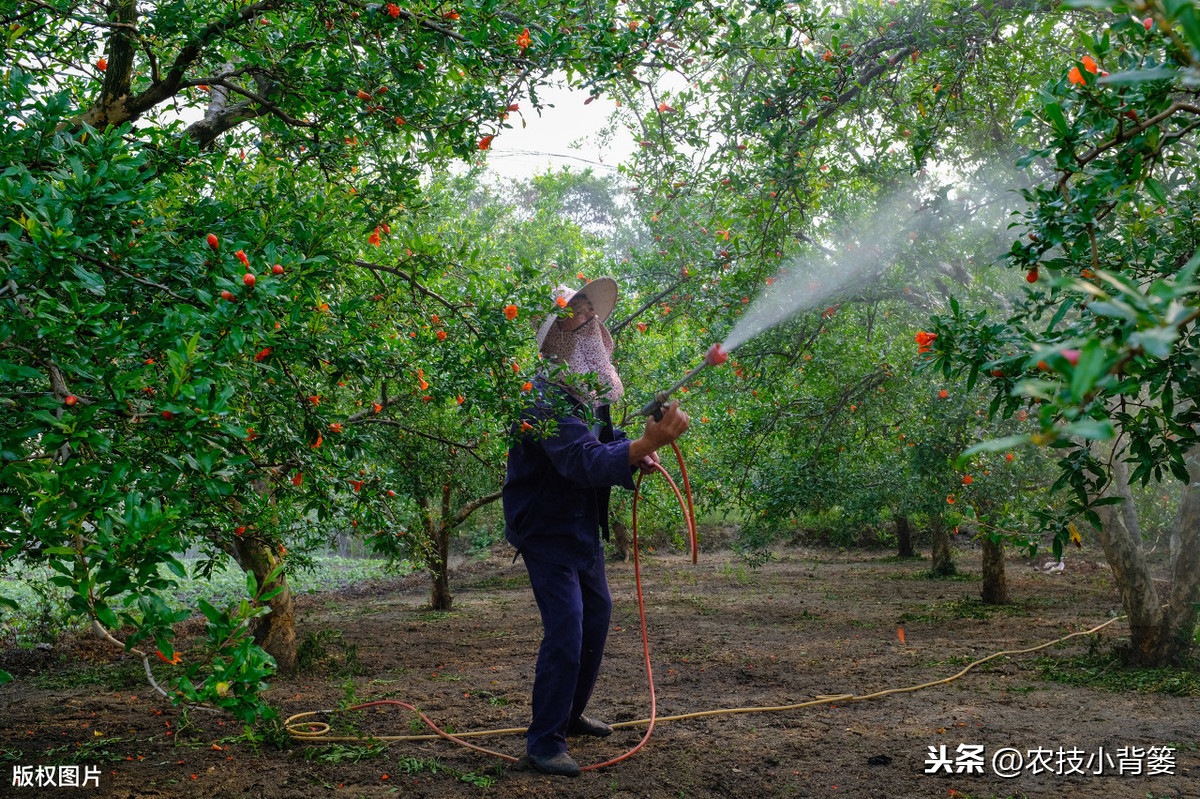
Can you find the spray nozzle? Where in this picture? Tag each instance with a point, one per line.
(715, 356)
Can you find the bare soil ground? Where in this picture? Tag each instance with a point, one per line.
(722, 635)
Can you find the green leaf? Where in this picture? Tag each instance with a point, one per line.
(90, 280)
(993, 445)
(210, 612)
(1156, 190)
(1091, 429)
(1132, 76)
(1157, 341)
(1092, 365)
(1055, 115)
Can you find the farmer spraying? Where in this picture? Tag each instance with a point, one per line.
(565, 458)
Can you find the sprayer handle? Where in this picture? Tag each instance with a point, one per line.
(655, 406)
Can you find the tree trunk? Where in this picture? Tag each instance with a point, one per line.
(438, 527)
(620, 536)
(1121, 540)
(276, 631)
(904, 537)
(943, 564)
(1158, 636)
(1181, 612)
(438, 564)
(995, 587)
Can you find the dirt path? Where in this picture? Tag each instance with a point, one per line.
(722, 636)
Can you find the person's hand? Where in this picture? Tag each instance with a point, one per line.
(648, 464)
(673, 424)
(659, 433)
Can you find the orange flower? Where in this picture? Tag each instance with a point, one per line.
(376, 407)
(174, 660)
(526, 427)
(314, 446)
(374, 237)
(924, 340)
(424, 385)
(461, 399)
(527, 387)
(968, 480)
(524, 40)
(298, 479)
(263, 355)
(441, 335)
(315, 399)
(241, 256)
(1075, 77)
(943, 394)
(486, 142)
(357, 485)
(393, 10)
(101, 64)
(1089, 64)
(511, 311)
(950, 499)
(641, 326)
(562, 302)
(1008, 457)
(336, 427)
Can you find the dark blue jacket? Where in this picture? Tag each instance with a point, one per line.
(560, 474)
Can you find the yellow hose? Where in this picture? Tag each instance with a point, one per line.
(316, 731)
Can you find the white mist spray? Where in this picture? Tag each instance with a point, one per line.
(808, 281)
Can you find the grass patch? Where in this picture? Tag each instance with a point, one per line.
(501, 583)
(929, 574)
(415, 765)
(965, 608)
(1108, 672)
(899, 559)
(341, 753)
(116, 676)
(43, 612)
(326, 652)
(94, 751)
(435, 616)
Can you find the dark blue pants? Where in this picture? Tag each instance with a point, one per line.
(576, 608)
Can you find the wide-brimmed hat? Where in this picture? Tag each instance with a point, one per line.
(602, 292)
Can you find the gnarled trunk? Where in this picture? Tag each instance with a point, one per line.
(1158, 635)
(995, 588)
(943, 564)
(276, 631)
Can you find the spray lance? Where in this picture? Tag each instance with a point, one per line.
(715, 356)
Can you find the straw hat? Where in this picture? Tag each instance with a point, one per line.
(602, 292)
